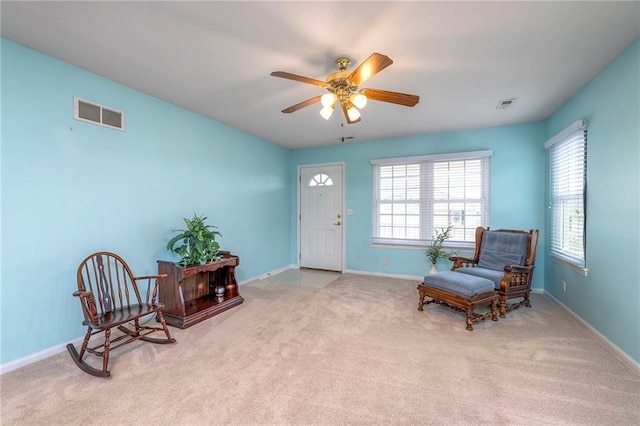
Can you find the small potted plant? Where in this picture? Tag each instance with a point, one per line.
(198, 242)
(436, 250)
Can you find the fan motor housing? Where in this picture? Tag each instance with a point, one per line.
(340, 84)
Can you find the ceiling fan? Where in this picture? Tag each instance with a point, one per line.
(343, 88)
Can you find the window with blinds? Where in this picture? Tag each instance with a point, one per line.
(567, 194)
(414, 196)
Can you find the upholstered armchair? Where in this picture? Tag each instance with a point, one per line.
(506, 257)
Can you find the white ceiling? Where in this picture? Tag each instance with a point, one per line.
(214, 58)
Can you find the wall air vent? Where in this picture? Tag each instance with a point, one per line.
(90, 112)
(505, 103)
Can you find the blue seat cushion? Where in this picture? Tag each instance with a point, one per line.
(461, 284)
(499, 249)
(489, 274)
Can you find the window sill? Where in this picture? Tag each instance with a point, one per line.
(575, 268)
(470, 247)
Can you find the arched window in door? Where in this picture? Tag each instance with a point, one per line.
(321, 179)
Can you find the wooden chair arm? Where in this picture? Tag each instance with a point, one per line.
(516, 276)
(88, 303)
(459, 262)
(151, 293)
(146, 277)
(518, 268)
(82, 293)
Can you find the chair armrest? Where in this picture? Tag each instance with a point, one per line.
(518, 268)
(151, 293)
(82, 293)
(459, 262)
(88, 303)
(146, 277)
(516, 276)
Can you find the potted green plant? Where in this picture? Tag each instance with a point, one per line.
(196, 245)
(436, 250)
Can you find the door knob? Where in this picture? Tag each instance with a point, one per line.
(339, 215)
(338, 223)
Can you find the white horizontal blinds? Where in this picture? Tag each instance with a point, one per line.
(413, 196)
(568, 167)
(461, 197)
(397, 195)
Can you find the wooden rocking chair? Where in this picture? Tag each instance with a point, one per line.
(110, 297)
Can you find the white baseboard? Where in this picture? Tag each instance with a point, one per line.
(382, 274)
(38, 356)
(619, 353)
(268, 274)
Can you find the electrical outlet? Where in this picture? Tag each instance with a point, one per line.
(564, 286)
(386, 260)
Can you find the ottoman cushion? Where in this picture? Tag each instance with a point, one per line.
(461, 284)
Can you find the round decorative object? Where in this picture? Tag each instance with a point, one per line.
(219, 291)
(433, 269)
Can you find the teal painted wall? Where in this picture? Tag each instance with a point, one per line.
(609, 297)
(517, 188)
(70, 188)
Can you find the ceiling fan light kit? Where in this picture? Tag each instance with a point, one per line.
(353, 113)
(328, 99)
(327, 111)
(359, 100)
(343, 88)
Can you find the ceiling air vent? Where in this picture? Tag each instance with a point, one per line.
(97, 114)
(505, 103)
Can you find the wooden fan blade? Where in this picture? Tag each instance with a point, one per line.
(346, 115)
(300, 78)
(373, 65)
(302, 104)
(393, 97)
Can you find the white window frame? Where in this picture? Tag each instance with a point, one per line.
(420, 198)
(567, 186)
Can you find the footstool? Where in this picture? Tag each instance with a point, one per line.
(461, 292)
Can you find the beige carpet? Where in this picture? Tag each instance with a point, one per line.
(354, 351)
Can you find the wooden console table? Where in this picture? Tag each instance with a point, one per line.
(189, 293)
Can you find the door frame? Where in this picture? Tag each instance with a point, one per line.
(298, 213)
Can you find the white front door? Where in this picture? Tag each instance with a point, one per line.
(321, 217)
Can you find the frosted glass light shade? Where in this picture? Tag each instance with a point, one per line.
(328, 99)
(326, 112)
(359, 100)
(353, 113)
